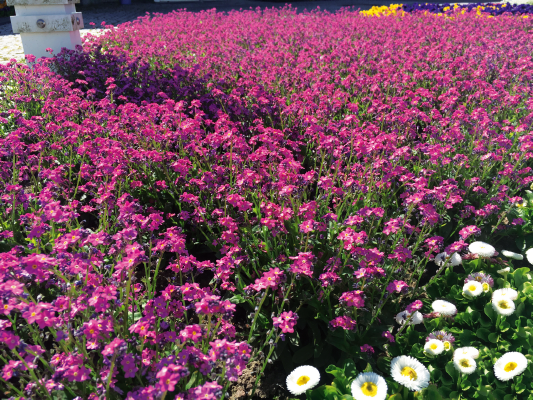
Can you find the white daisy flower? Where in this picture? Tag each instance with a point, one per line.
(504, 271)
(473, 288)
(503, 306)
(415, 319)
(510, 365)
(434, 347)
(505, 293)
(444, 307)
(482, 249)
(369, 385)
(453, 260)
(302, 378)
(447, 345)
(464, 364)
(529, 255)
(409, 372)
(471, 352)
(514, 256)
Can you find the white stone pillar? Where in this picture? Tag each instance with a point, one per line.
(46, 24)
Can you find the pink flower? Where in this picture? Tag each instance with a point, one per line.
(286, 321)
(467, 231)
(192, 332)
(129, 367)
(397, 286)
(343, 322)
(111, 347)
(389, 336)
(353, 299)
(303, 264)
(366, 348)
(414, 306)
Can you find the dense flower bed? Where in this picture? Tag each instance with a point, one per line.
(199, 195)
(492, 9)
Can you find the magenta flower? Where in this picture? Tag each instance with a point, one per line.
(468, 231)
(366, 348)
(397, 286)
(343, 322)
(286, 321)
(389, 336)
(414, 306)
(128, 366)
(192, 332)
(353, 299)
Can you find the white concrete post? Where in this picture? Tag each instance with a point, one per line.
(46, 24)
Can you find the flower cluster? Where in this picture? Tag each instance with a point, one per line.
(187, 191)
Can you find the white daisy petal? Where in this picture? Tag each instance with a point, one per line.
(471, 352)
(415, 319)
(482, 249)
(443, 258)
(510, 365)
(464, 364)
(514, 256)
(302, 378)
(505, 293)
(503, 306)
(529, 255)
(472, 288)
(444, 307)
(409, 372)
(369, 385)
(434, 347)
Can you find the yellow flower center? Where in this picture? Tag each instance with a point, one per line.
(465, 363)
(472, 288)
(433, 346)
(369, 389)
(503, 304)
(302, 380)
(410, 372)
(447, 345)
(510, 366)
(485, 287)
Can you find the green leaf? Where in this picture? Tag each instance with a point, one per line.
(237, 299)
(350, 371)
(325, 392)
(489, 312)
(454, 395)
(524, 242)
(445, 392)
(396, 396)
(482, 333)
(450, 369)
(497, 395)
(384, 364)
(432, 393)
(342, 385)
(520, 276)
(466, 337)
(527, 289)
(303, 354)
(191, 381)
(465, 384)
(494, 337)
(484, 391)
